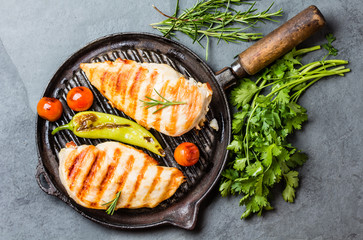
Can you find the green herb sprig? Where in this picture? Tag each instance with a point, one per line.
(215, 19)
(112, 204)
(267, 113)
(153, 102)
(328, 46)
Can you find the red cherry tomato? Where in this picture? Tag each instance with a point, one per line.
(80, 98)
(50, 109)
(186, 154)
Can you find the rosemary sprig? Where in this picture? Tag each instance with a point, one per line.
(153, 102)
(214, 18)
(112, 204)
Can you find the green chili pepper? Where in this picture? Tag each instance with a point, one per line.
(101, 125)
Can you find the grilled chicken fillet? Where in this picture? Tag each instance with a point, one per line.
(93, 175)
(125, 82)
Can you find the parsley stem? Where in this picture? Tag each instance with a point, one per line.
(247, 136)
(262, 85)
(304, 79)
(306, 50)
(338, 62)
(297, 94)
(324, 67)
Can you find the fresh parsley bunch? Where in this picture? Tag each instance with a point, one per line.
(262, 155)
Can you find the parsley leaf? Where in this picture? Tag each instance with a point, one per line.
(241, 95)
(236, 144)
(332, 51)
(240, 164)
(254, 169)
(288, 194)
(225, 187)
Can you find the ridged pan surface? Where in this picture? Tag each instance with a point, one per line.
(182, 208)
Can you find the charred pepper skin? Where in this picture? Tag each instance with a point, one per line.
(94, 125)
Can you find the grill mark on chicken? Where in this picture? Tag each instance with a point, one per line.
(174, 182)
(108, 176)
(91, 71)
(103, 82)
(171, 127)
(125, 78)
(198, 105)
(134, 82)
(158, 114)
(69, 169)
(90, 176)
(137, 184)
(134, 90)
(109, 173)
(81, 167)
(112, 78)
(165, 190)
(128, 167)
(120, 84)
(149, 90)
(194, 102)
(191, 101)
(76, 163)
(156, 180)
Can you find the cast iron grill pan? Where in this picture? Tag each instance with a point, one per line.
(182, 207)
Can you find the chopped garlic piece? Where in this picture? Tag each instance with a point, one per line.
(214, 124)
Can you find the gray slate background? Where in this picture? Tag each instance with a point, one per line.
(36, 37)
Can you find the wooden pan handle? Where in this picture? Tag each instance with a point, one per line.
(279, 42)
